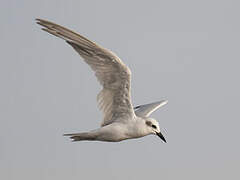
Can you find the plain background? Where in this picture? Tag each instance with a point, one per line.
(184, 51)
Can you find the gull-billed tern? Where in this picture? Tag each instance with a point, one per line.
(121, 121)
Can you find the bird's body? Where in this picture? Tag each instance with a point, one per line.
(121, 121)
(115, 132)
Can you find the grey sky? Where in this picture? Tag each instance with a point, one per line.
(191, 51)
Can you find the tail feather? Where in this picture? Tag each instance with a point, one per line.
(76, 138)
(80, 136)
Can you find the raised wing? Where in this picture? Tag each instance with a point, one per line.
(147, 109)
(114, 99)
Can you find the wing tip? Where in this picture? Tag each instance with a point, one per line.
(164, 102)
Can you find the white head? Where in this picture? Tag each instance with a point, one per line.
(153, 127)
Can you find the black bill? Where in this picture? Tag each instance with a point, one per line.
(161, 136)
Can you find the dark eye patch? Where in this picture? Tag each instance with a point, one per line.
(148, 123)
(153, 126)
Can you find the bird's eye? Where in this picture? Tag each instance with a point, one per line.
(153, 126)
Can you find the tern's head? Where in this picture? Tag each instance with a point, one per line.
(153, 128)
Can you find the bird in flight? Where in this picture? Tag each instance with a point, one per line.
(120, 120)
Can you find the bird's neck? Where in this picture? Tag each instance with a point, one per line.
(139, 127)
